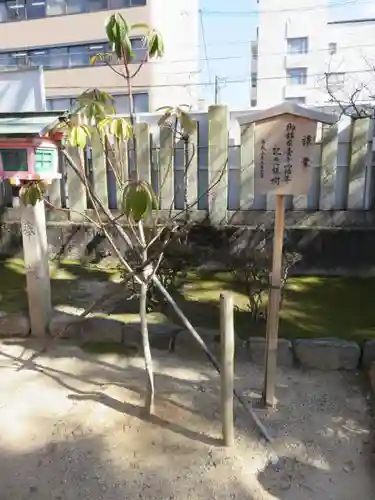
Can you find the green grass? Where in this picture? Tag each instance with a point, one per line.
(313, 306)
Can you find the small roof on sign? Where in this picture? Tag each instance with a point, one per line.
(28, 123)
(288, 108)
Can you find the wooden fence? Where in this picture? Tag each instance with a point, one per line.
(221, 154)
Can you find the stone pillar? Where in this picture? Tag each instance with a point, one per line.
(35, 251)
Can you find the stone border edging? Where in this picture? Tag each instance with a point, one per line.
(321, 353)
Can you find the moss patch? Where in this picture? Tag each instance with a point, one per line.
(313, 306)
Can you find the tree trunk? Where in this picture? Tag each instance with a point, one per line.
(149, 400)
(150, 393)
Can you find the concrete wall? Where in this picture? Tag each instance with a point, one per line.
(327, 252)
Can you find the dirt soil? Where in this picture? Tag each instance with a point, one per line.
(72, 428)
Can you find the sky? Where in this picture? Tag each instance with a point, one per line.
(226, 31)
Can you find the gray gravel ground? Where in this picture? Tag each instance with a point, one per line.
(72, 428)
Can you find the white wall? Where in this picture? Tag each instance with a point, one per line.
(22, 91)
(178, 22)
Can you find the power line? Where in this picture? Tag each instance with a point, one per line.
(205, 46)
(256, 12)
(199, 84)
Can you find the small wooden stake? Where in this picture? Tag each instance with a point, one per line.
(227, 367)
(274, 305)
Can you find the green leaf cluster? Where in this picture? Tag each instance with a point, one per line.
(138, 200)
(32, 192)
(119, 33)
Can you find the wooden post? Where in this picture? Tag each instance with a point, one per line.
(274, 304)
(35, 252)
(227, 367)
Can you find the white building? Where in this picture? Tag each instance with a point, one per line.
(301, 52)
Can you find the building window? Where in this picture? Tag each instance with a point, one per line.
(253, 103)
(254, 50)
(78, 56)
(96, 5)
(58, 58)
(38, 58)
(335, 81)
(141, 103)
(16, 10)
(298, 100)
(35, 9)
(139, 49)
(332, 48)
(297, 76)
(120, 4)
(76, 6)
(19, 59)
(56, 7)
(60, 104)
(14, 160)
(43, 160)
(298, 45)
(253, 80)
(6, 61)
(66, 57)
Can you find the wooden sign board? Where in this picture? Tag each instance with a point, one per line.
(284, 148)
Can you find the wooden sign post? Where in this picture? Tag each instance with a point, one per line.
(284, 138)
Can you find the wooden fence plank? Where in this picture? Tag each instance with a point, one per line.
(192, 167)
(359, 162)
(142, 134)
(218, 127)
(76, 190)
(117, 157)
(179, 174)
(329, 167)
(313, 196)
(99, 168)
(166, 173)
(247, 167)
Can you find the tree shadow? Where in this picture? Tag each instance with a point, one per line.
(129, 377)
(80, 468)
(286, 480)
(310, 422)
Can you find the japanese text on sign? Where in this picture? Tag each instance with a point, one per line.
(289, 135)
(283, 155)
(276, 156)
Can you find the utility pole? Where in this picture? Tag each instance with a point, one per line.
(217, 90)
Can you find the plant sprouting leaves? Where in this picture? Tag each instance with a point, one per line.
(177, 116)
(118, 34)
(96, 104)
(32, 192)
(155, 44)
(117, 127)
(138, 200)
(78, 135)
